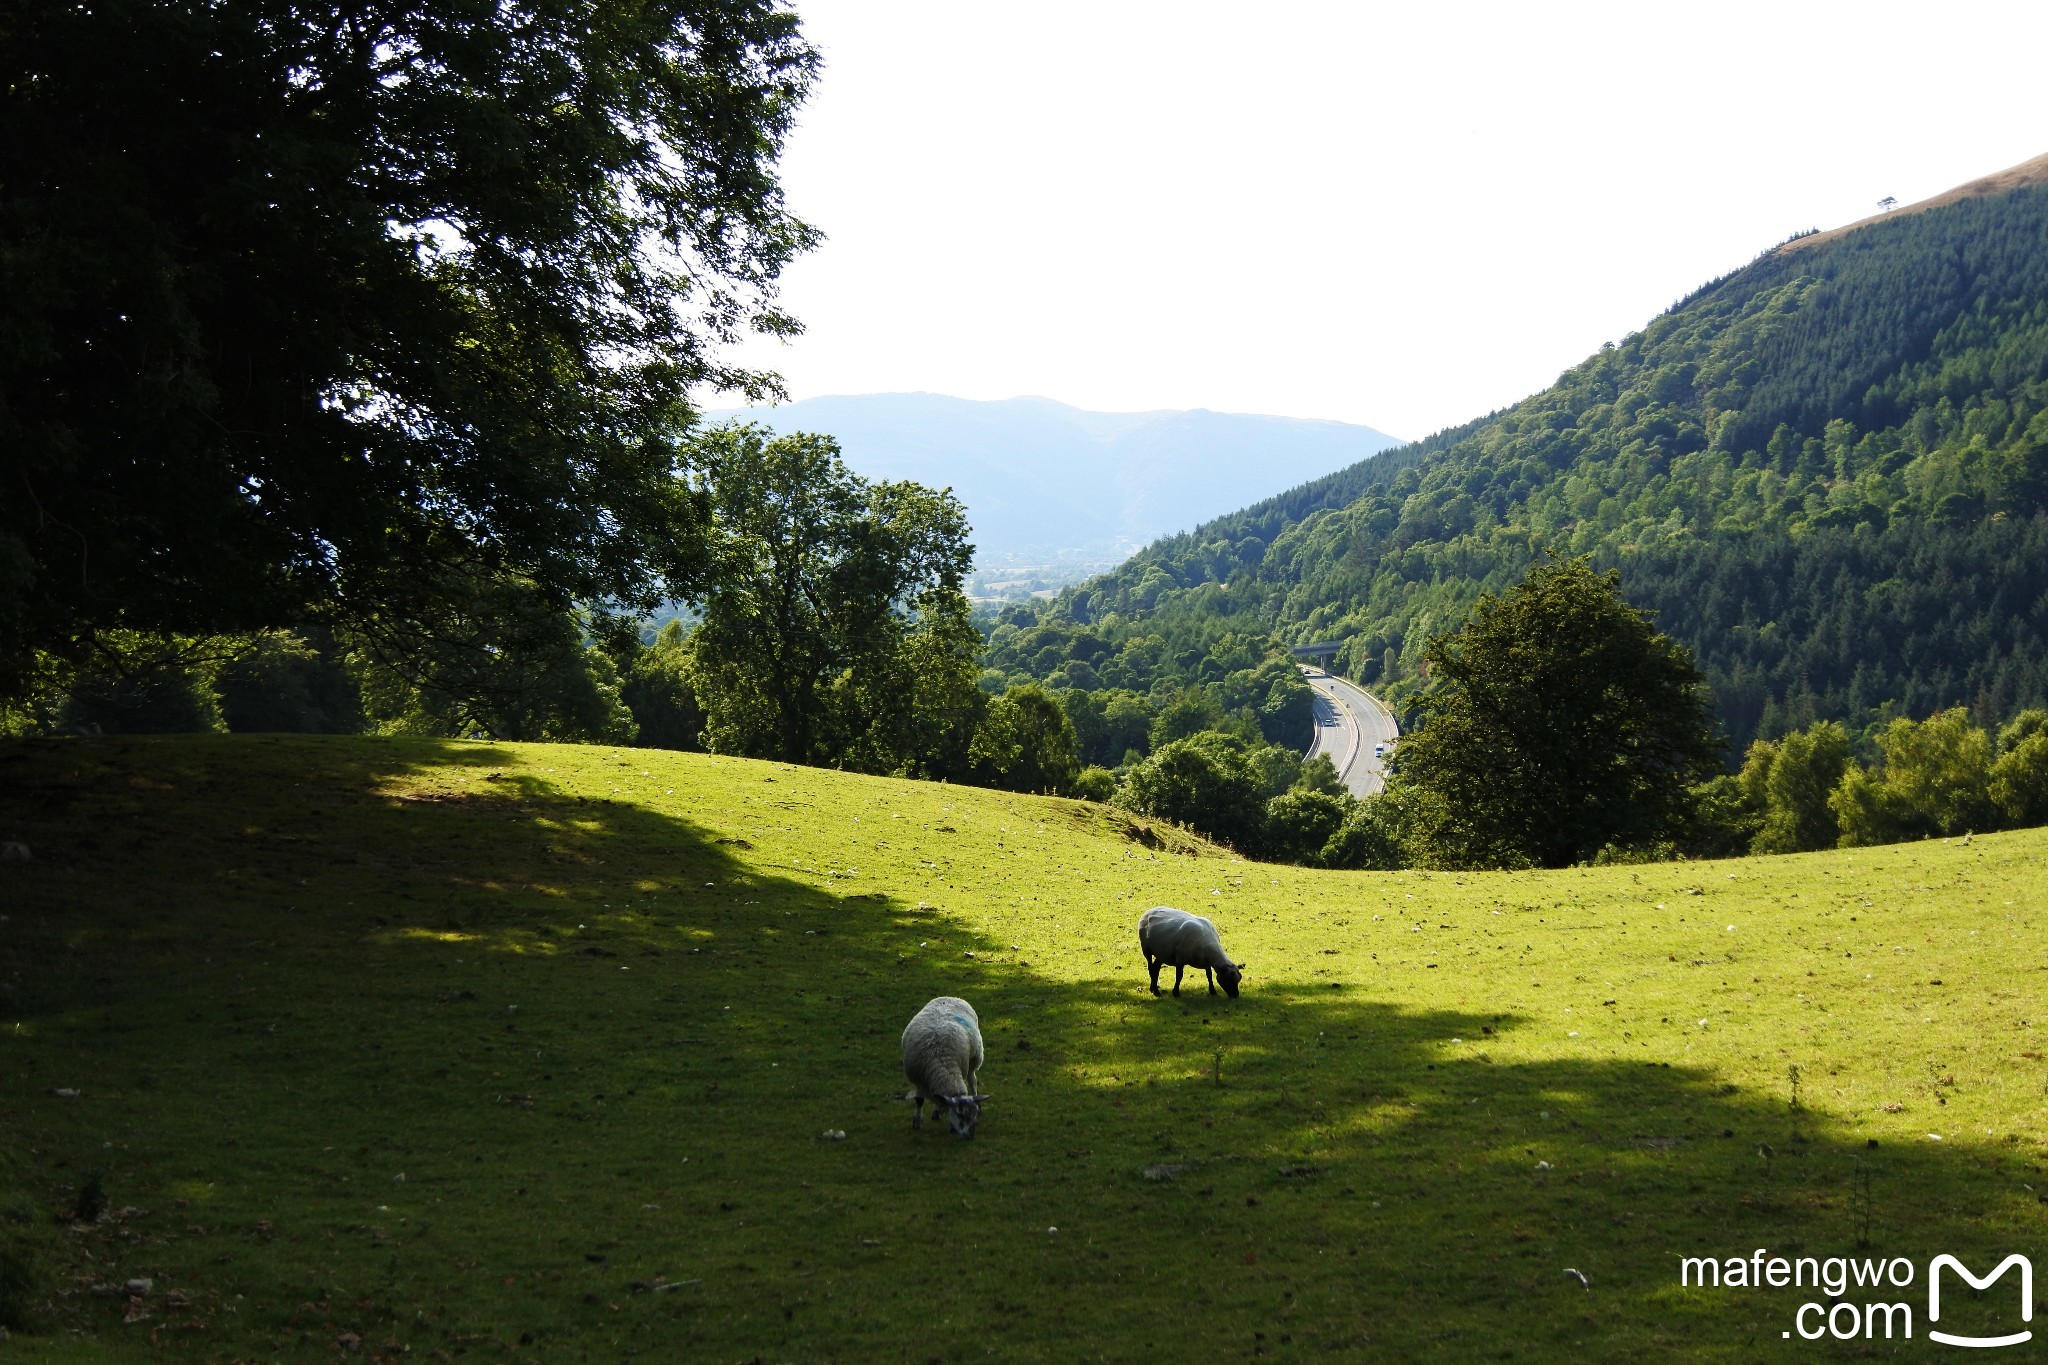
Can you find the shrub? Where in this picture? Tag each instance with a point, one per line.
(1724, 819)
(144, 685)
(1025, 743)
(2019, 780)
(1278, 767)
(285, 682)
(1095, 783)
(1935, 778)
(1204, 781)
(1300, 823)
(1319, 774)
(1373, 835)
(497, 658)
(1805, 770)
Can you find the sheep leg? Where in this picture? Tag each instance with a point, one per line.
(1210, 972)
(1178, 968)
(916, 1113)
(1154, 964)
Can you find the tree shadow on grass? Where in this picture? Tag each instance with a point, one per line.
(1464, 1191)
(416, 1044)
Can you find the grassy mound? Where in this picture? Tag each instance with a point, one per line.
(528, 1052)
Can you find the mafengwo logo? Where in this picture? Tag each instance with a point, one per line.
(1934, 1269)
(1876, 1313)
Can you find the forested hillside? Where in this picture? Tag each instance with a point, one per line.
(1826, 472)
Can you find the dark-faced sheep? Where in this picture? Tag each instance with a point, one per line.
(941, 1053)
(1176, 939)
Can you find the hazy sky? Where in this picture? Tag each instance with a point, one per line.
(1398, 214)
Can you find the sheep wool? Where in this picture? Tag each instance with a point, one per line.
(1176, 939)
(942, 1052)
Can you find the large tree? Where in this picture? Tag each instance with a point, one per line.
(1559, 721)
(307, 303)
(834, 628)
(1025, 743)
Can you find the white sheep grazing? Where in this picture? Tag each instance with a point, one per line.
(941, 1053)
(1176, 939)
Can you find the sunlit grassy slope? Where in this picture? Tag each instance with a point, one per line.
(527, 1052)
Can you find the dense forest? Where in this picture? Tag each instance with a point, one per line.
(1826, 473)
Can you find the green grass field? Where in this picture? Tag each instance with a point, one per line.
(436, 1050)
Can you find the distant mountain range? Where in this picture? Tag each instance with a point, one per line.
(1047, 484)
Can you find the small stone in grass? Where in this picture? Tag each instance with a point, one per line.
(835, 1135)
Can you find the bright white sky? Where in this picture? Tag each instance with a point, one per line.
(1404, 215)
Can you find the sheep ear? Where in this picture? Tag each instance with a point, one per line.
(983, 1099)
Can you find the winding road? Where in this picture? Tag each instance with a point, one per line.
(1350, 722)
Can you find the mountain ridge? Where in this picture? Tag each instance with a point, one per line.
(2033, 171)
(1044, 479)
(1868, 417)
